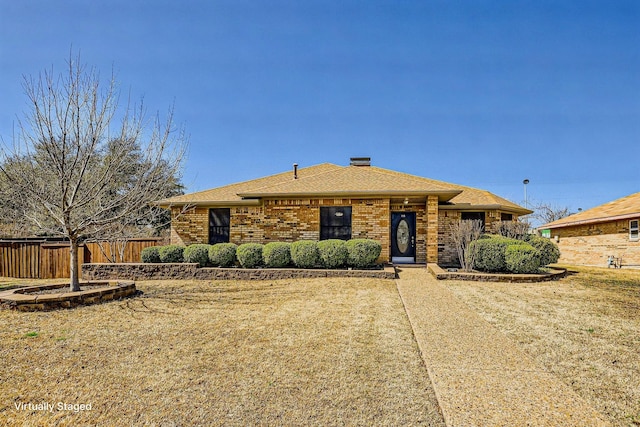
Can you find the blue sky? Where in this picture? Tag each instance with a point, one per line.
(479, 93)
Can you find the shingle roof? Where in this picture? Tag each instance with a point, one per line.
(229, 193)
(354, 180)
(625, 207)
(332, 180)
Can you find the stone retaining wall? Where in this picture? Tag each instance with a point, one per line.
(130, 271)
(441, 274)
(27, 299)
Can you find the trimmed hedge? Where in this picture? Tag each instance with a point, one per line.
(522, 258)
(362, 252)
(150, 254)
(223, 254)
(304, 253)
(549, 252)
(198, 253)
(333, 253)
(171, 253)
(250, 255)
(276, 254)
(490, 253)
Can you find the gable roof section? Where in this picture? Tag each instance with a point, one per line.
(343, 181)
(354, 181)
(623, 208)
(228, 194)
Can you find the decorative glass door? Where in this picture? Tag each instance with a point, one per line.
(403, 237)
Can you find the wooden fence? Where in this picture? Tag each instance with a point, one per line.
(38, 259)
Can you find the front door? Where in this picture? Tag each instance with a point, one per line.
(403, 237)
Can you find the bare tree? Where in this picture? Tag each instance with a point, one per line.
(511, 229)
(463, 233)
(72, 145)
(546, 213)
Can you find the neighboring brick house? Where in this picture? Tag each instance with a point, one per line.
(593, 236)
(409, 215)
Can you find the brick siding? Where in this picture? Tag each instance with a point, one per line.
(189, 227)
(289, 220)
(592, 244)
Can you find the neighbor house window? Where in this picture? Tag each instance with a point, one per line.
(335, 222)
(473, 215)
(219, 221)
(506, 217)
(633, 230)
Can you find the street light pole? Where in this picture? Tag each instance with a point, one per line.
(525, 182)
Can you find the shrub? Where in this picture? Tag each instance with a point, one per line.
(223, 254)
(198, 253)
(522, 258)
(249, 255)
(490, 253)
(333, 253)
(362, 252)
(462, 234)
(277, 254)
(171, 253)
(150, 254)
(549, 252)
(304, 253)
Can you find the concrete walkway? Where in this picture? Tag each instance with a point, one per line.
(481, 378)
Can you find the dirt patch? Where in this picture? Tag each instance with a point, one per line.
(303, 352)
(583, 328)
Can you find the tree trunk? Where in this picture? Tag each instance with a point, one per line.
(75, 280)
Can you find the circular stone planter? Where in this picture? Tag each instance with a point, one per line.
(45, 297)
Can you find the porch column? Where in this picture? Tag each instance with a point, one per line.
(432, 229)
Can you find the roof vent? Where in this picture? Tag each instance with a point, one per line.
(360, 161)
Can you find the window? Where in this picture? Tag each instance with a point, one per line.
(335, 222)
(473, 215)
(633, 230)
(219, 221)
(506, 217)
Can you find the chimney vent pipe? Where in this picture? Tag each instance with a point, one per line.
(360, 161)
(295, 171)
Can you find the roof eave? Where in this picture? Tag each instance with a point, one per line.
(210, 203)
(442, 195)
(469, 206)
(551, 225)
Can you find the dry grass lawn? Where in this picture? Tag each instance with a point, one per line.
(584, 328)
(303, 352)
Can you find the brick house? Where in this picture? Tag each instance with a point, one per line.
(409, 215)
(593, 236)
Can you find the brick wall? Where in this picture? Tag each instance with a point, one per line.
(299, 219)
(286, 221)
(592, 244)
(189, 227)
(447, 254)
(246, 225)
(370, 219)
(432, 228)
(296, 219)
